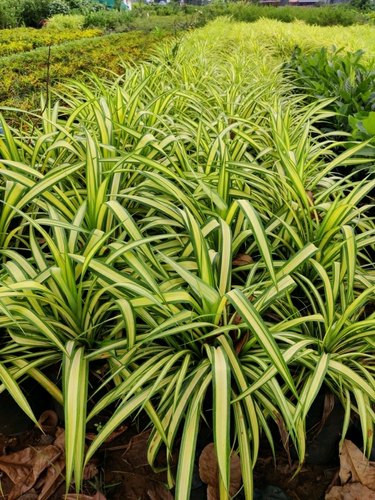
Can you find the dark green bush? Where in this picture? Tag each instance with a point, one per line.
(108, 19)
(84, 6)
(133, 20)
(350, 83)
(343, 77)
(9, 14)
(364, 5)
(322, 16)
(32, 12)
(164, 10)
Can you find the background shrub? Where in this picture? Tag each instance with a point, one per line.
(321, 16)
(145, 20)
(24, 75)
(108, 19)
(25, 39)
(58, 7)
(15, 13)
(82, 5)
(32, 12)
(344, 77)
(9, 14)
(349, 81)
(362, 4)
(62, 22)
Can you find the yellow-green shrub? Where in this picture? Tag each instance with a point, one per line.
(23, 76)
(276, 39)
(63, 22)
(281, 38)
(13, 41)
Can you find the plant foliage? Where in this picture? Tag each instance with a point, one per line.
(187, 233)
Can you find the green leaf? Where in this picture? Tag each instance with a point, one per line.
(245, 452)
(259, 235)
(75, 388)
(186, 456)
(221, 412)
(257, 326)
(312, 387)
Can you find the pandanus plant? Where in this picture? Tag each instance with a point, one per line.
(186, 229)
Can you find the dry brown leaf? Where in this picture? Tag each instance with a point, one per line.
(60, 439)
(48, 421)
(329, 404)
(40, 467)
(24, 467)
(242, 259)
(97, 496)
(213, 492)
(208, 467)
(310, 197)
(53, 478)
(350, 491)
(30, 495)
(136, 450)
(354, 466)
(357, 476)
(209, 472)
(241, 342)
(90, 471)
(237, 320)
(284, 434)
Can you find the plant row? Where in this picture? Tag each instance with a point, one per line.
(17, 40)
(185, 244)
(239, 11)
(25, 75)
(32, 13)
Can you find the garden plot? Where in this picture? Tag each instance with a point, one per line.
(185, 242)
